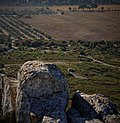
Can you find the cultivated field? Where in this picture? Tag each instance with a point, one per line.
(72, 25)
(79, 25)
(83, 26)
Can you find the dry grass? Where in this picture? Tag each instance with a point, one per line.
(79, 25)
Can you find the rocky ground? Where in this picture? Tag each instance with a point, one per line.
(40, 95)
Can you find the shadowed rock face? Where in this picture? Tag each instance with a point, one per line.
(92, 109)
(42, 90)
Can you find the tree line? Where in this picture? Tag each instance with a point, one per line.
(58, 2)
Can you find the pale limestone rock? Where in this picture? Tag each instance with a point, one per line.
(42, 90)
(50, 120)
(102, 105)
(93, 121)
(84, 120)
(8, 94)
(34, 118)
(112, 118)
(92, 109)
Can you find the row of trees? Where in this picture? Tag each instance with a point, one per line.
(19, 29)
(57, 2)
(83, 6)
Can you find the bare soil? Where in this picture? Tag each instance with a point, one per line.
(79, 25)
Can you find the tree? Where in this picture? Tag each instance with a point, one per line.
(1, 65)
(102, 8)
(9, 39)
(2, 40)
(83, 6)
(70, 8)
(94, 6)
(9, 45)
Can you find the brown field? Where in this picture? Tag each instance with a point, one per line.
(78, 25)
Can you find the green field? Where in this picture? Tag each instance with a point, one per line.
(101, 77)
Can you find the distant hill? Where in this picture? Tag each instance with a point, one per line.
(57, 2)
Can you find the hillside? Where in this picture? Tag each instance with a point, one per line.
(83, 43)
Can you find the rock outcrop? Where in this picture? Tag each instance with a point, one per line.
(40, 95)
(8, 89)
(92, 109)
(50, 120)
(8, 94)
(42, 91)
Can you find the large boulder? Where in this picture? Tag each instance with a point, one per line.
(43, 91)
(92, 109)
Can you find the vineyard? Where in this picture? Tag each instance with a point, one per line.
(18, 29)
(24, 12)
